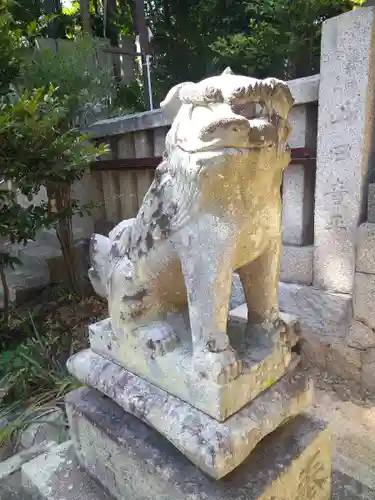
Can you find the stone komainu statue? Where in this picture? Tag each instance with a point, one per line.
(213, 207)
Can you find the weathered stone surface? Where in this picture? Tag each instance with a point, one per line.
(345, 487)
(364, 298)
(296, 264)
(344, 361)
(52, 427)
(314, 349)
(292, 327)
(215, 447)
(303, 119)
(305, 90)
(368, 370)
(360, 336)
(354, 468)
(11, 488)
(24, 282)
(371, 203)
(294, 463)
(320, 313)
(346, 104)
(298, 205)
(366, 248)
(190, 234)
(14, 463)
(323, 317)
(56, 475)
(170, 366)
(237, 296)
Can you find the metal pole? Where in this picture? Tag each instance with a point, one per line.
(144, 44)
(149, 86)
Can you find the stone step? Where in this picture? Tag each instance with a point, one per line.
(358, 478)
(23, 281)
(56, 475)
(51, 477)
(11, 489)
(133, 461)
(345, 487)
(41, 266)
(10, 472)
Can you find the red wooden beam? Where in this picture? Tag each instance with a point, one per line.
(303, 154)
(127, 163)
(299, 155)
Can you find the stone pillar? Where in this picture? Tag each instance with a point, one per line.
(298, 204)
(345, 124)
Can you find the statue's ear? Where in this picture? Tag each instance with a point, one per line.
(172, 103)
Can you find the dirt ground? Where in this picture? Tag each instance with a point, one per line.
(352, 422)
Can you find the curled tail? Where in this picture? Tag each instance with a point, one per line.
(101, 256)
(100, 247)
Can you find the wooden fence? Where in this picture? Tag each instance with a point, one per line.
(123, 176)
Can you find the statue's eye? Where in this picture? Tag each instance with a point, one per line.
(261, 110)
(249, 110)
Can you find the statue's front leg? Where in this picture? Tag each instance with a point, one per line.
(260, 279)
(206, 258)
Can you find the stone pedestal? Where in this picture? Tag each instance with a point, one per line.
(133, 461)
(264, 358)
(215, 447)
(214, 426)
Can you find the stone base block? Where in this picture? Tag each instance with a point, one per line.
(216, 447)
(133, 461)
(155, 354)
(296, 264)
(55, 475)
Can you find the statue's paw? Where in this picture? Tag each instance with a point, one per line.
(159, 338)
(220, 367)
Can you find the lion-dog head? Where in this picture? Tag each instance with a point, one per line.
(229, 129)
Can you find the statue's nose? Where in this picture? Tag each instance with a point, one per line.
(226, 126)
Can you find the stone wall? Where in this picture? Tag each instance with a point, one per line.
(337, 313)
(299, 185)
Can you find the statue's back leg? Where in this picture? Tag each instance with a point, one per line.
(259, 279)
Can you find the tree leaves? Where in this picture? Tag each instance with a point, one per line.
(260, 38)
